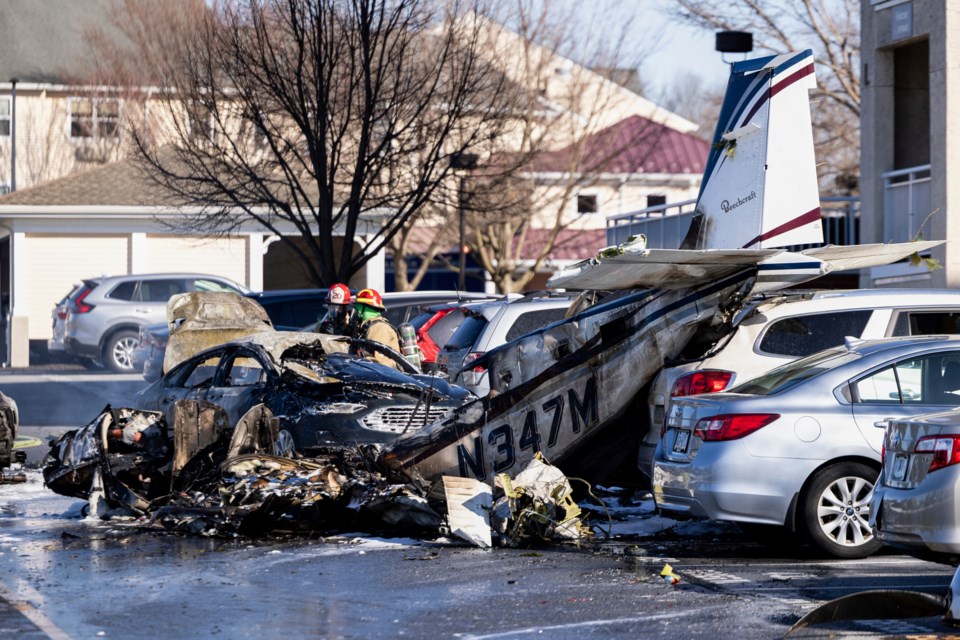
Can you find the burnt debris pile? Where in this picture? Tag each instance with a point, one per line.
(205, 479)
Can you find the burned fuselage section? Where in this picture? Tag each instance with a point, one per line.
(554, 391)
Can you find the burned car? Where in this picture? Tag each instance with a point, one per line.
(321, 394)
(9, 419)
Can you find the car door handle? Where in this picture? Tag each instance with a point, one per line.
(882, 424)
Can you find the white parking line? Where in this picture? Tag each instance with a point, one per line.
(15, 598)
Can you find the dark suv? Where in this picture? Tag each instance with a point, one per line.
(104, 316)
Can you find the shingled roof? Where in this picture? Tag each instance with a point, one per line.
(633, 145)
(121, 183)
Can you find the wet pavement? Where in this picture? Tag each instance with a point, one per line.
(64, 576)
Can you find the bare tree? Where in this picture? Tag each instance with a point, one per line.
(515, 217)
(332, 118)
(687, 96)
(831, 28)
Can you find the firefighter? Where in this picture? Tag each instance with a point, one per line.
(374, 327)
(340, 318)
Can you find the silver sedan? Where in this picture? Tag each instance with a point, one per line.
(800, 446)
(915, 503)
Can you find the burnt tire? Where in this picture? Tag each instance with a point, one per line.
(835, 509)
(118, 351)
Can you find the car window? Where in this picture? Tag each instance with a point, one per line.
(803, 335)
(160, 290)
(793, 373)
(243, 371)
(400, 314)
(444, 328)
(933, 379)
(123, 291)
(533, 320)
(205, 284)
(422, 319)
(919, 323)
(201, 375)
(466, 334)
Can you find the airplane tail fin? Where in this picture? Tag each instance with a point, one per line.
(759, 188)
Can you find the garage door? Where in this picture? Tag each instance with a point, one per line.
(225, 257)
(55, 263)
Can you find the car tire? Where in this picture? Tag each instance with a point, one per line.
(836, 510)
(118, 351)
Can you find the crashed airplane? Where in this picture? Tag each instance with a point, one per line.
(557, 390)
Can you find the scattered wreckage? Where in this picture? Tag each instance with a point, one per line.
(280, 432)
(201, 477)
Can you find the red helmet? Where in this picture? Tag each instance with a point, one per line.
(338, 294)
(371, 298)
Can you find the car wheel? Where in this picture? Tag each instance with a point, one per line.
(836, 510)
(118, 351)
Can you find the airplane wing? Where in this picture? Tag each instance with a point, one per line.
(679, 268)
(860, 256)
(659, 268)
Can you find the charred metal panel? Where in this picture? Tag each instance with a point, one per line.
(197, 425)
(199, 320)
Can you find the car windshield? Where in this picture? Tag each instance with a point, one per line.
(792, 374)
(467, 333)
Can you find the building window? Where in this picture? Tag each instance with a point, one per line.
(5, 117)
(586, 204)
(94, 118)
(200, 123)
(656, 200)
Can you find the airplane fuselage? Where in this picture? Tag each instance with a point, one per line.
(553, 390)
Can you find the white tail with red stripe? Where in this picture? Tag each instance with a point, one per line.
(760, 185)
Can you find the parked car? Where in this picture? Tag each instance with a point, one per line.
(916, 498)
(59, 316)
(321, 394)
(435, 326)
(105, 315)
(775, 329)
(799, 447)
(287, 308)
(488, 325)
(404, 306)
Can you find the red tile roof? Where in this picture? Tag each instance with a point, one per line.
(571, 244)
(633, 145)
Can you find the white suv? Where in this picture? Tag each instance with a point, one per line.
(773, 330)
(488, 325)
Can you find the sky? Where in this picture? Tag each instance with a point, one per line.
(681, 48)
